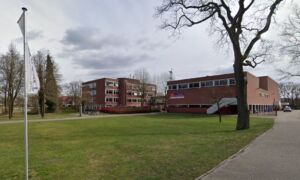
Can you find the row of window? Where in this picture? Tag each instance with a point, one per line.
(112, 84)
(130, 93)
(211, 83)
(110, 99)
(111, 91)
(190, 106)
(134, 100)
(140, 86)
(264, 95)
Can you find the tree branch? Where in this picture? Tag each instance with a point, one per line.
(264, 29)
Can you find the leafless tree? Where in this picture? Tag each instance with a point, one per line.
(240, 24)
(73, 90)
(161, 82)
(290, 92)
(144, 76)
(11, 70)
(290, 45)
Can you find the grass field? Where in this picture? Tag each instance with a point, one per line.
(20, 116)
(166, 146)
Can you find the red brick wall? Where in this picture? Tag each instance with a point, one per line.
(261, 90)
(205, 95)
(100, 95)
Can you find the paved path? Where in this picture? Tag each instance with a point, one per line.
(274, 155)
(74, 118)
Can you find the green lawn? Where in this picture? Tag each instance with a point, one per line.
(166, 146)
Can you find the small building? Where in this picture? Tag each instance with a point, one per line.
(120, 92)
(199, 95)
(66, 101)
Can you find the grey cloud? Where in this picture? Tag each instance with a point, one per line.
(150, 45)
(91, 39)
(111, 73)
(109, 61)
(31, 35)
(109, 65)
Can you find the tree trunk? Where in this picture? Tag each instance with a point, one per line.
(241, 88)
(5, 102)
(42, 102)
(10, 109)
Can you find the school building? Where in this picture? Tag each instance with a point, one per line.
(120, 92)
(199, 95)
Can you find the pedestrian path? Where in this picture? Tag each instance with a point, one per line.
(274, 155)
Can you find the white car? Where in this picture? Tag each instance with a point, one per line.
(287, 109)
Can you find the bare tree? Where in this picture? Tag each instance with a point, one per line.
(239, 23)
(11, 70)
(290, 45)
(73, 90)
(161, 82)
(290, 93)
(144, 76)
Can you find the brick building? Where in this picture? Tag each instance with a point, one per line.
(199, 95)
(121, 92)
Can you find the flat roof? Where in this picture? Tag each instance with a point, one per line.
(214, 77)
(203, 78)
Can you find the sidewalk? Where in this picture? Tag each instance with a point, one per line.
(274, 155)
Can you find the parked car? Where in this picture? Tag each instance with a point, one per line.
(287, 109)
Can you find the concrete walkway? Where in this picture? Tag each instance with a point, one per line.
(274, 155)
(74, 118)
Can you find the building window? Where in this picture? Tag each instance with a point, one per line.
(112, 84)
(173, 87)
(205, 105)
(109, 100)
(208, 83)
(116, 99)
(182, 106)
(93, 92)
(109, 91)
(202, 84)
(194, 106)
(217, 82)
(194, 85)
(223, 82)
(182, 86)
(231, 81)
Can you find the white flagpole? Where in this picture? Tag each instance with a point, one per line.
(25, 100)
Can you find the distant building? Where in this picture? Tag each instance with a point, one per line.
(124, 92)
(199, 95)
(66, 101)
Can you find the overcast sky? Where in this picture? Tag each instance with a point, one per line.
(111, 38)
